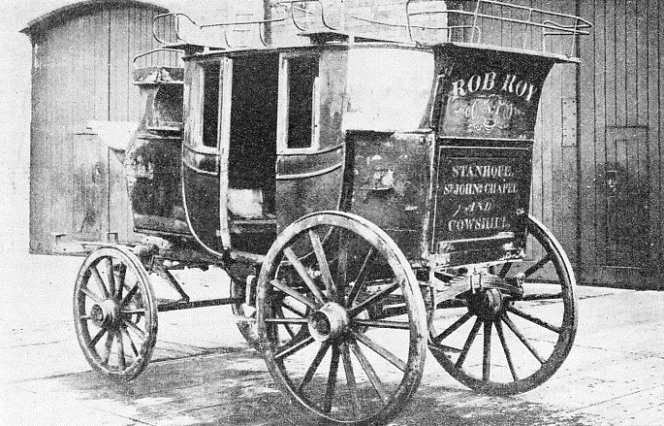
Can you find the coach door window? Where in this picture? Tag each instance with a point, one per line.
(299, 107)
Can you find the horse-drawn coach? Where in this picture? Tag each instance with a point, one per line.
(368, 196)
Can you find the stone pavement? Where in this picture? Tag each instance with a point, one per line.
(204, 373)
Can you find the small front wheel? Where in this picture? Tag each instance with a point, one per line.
(325, 292)
(115, 312)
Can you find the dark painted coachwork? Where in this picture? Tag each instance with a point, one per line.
(152, 160)
(484, 114)
(314, 181)
(453, 189)
(457, 195)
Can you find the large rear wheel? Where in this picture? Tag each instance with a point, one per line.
(335, 353)
(514, 332)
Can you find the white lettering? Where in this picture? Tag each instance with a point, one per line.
(508, 84)
(479, 224)
(489, 81)
(474, 83)
(457, 88)
(531, 91)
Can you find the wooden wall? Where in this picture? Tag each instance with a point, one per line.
(82, 71)
(621, 118)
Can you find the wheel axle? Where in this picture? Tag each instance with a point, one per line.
(105, 314)
(488, 304)
(330, 322)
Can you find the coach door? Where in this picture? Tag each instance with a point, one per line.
(206, 89)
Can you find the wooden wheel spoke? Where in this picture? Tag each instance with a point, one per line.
(131, 341)
(533, 319)
(109, 346)
(304, 275)
(486, 362)
(541, 296)
(370, 372)
(537, 266)
(135, 328)
(399, 325)
(285, 321)
(288, 304)
(121, 354)
(469, 342)
(380, 350)
(359, 280)
(293, 293)
(446, 348)
(91, 294)
(324, 267)
(350, 379)
(99, 280)
(522, 338)
(138, 311)
(122, 275)
(373, 299)
(452, 328)
(314, 366)
(508, 355)
(110, 273)
(342, 265)
(95, 339)
(331, 380)
(293, 347)
(132, 292)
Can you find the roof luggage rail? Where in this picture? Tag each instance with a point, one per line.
(425, 22)
(159, 66)
(211, 36)
(293, 6)
(528, 21)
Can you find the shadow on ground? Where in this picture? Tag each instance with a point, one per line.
(234, 388)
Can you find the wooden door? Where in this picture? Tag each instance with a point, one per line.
(621, 120)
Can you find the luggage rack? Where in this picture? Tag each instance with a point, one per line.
(159, 66)
(525, 19)
(188, 32)
(417, 21)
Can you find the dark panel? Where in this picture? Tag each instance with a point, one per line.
(201, 194)
(481, 196)
(294, 166)
(300, 195)
(391, 177)
(153, 165)
(488, 94)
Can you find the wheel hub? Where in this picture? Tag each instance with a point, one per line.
(105, 314)
(329, 322)
(487, 304)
